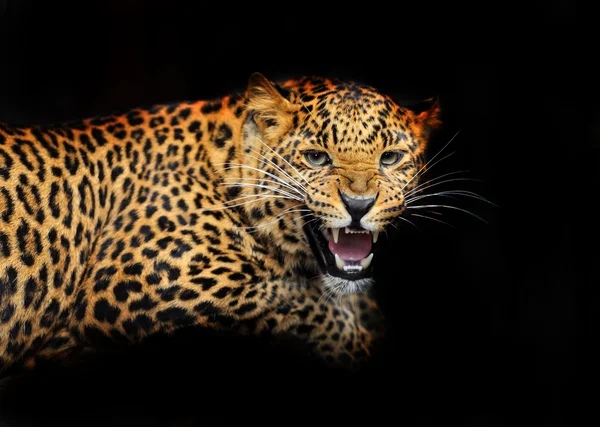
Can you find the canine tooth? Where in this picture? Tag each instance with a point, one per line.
(339, 262)
(336, 234)
(375, 236)
(366, 262)
(347, 230)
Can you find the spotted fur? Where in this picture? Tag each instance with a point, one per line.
(115, 228)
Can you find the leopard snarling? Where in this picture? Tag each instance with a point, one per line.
(255, 213)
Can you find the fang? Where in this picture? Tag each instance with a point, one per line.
(366, 262)
(336, 234)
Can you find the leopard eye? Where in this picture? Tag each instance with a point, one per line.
(317, 158)
(390, 158)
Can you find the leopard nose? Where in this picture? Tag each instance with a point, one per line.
(357, 207)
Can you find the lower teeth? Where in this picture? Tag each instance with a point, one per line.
(353, 265)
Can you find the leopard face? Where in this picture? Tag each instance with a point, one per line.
(334, 161)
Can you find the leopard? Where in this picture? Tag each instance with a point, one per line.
(258, 213)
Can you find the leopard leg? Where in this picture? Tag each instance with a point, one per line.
(300, 313)
(369, 314)
(333, 328)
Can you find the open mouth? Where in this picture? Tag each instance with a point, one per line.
(343, 252)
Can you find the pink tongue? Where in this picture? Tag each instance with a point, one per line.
(351, 247)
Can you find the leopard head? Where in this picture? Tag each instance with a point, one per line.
(328, 167)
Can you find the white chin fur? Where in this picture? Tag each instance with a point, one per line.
(341, 287)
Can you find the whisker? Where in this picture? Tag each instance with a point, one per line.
(426, 185)
(255, 198)
(250, 196)
(273, 163)
(340, 293)
(289, 164)
(281, 180)
(242, 166)
(416, 193)
(431, 160)
(261, 180)
(312, 220)
(263, 158)
(449, 193)
(278, 218)
(433, 219)
(448, 207)
(407, 220)
(331, 291)
(327, 294)
(291, 208)
(423, 169)
(321, 226)
(386, 231)
(267, 187)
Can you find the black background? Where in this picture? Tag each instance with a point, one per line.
(488, 322)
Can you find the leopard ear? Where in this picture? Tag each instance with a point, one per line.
(426, 118)
(272, 112)
(427, 113)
